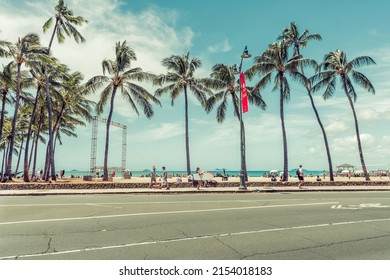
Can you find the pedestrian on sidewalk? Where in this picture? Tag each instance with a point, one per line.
(200, 173)
(300, 176)
(164, 181)
(153, 177)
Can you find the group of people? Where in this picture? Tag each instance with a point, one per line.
(164, 179)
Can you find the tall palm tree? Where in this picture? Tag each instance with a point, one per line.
(336, 65)
(180, 78)
(28, 51)
(224, 81)
(40, 74)
(294, 38)
(6, 83)
(276, 60)
(65, 22)
(121, 78)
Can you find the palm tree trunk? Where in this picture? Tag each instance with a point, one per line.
(324, 136)
(8, 170)
(366, 175)
(309, 91)
(52, 35)
(57, 124)
(186, 128)
(105, 168)
(32, 149)
(3, 179)
(19, 156)
(34, 168)
(26, 151)
(41, 117)
(2, 114)
(46, 170)
(285, 152)
(50, 154)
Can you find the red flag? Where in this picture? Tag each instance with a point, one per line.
(244, 94)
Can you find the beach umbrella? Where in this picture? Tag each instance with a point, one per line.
(274, 171)
(345, 171)
(359, 172)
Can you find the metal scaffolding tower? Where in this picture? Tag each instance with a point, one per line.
(93, 167)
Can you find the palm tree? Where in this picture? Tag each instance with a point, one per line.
(65, 22)
(121, 79)
(336, 65)
(26, 51)
(180, 78)
(6, 83)
(40, 74)
(223, 80)
(297, 40)
(276, 60)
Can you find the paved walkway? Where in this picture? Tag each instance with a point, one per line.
(189, 190)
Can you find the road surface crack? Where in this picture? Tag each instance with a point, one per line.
(48, 245)
(315, 247)
(230, 247)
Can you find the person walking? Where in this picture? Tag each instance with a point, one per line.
(300, 176)
(164, 181)
(153, 177)
(200, 173)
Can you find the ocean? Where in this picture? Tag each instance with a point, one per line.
(232, 173)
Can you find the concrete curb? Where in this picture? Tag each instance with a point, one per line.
(175, 191)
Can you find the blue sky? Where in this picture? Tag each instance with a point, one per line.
(216, 32)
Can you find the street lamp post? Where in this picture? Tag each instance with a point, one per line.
(245, 54)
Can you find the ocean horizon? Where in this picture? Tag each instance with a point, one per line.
(232, 173)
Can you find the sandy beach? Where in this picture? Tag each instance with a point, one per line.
(217, 179)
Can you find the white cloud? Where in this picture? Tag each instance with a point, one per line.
(220, 47)
(348, 144)
(151, 33)
(161, 132)
(336, 127)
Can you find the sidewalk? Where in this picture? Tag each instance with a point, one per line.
(190, 190)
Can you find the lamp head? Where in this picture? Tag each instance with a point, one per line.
(245, 53)
(235, 70)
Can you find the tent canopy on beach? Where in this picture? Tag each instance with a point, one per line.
(345, 166)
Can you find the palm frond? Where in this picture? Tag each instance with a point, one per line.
(210, 103)
(129, 99)
(363, 81)
(360, 61)
(47, 24)
(104, 97)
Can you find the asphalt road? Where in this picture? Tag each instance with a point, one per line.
(287, 226)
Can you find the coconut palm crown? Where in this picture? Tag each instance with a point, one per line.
(223, 80)
(64, 23)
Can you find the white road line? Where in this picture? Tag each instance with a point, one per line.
(101, 205)
(161, 213)
(194, 238)
(153, 202)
